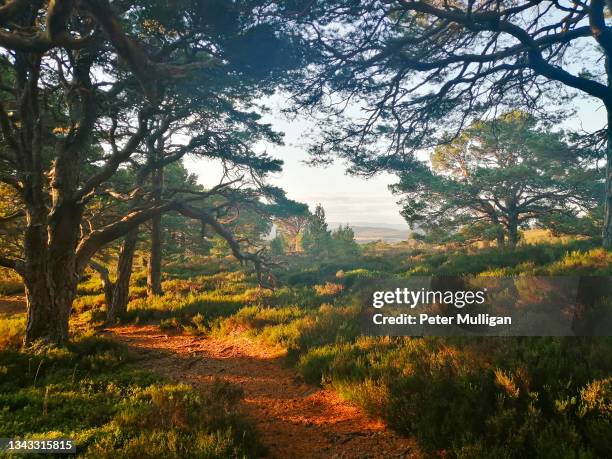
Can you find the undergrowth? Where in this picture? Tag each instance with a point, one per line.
(92, 391)
(461, 397)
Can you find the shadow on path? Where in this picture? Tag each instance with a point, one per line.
(293, 419)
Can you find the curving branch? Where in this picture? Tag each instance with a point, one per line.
(148, 72)
(98, 238)
(95, 240)
(264, 273)
(495, 22)
(54, 34)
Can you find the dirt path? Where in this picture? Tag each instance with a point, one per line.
(294, 420)
(10, 305)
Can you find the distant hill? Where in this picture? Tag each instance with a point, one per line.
(370, 232)
(370, 224)
(365, 234)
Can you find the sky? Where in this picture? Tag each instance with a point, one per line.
(346, 199)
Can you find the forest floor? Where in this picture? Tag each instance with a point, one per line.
(293, 419)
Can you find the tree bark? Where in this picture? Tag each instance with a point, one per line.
(50, 274)
(121, 290)
(49, 306)
(48, 311)
(155, 257)
(607, 224)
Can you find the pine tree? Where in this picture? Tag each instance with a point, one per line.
(317, 238)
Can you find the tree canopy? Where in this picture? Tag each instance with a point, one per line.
(501, 175)
(90, 89)
(392, 76)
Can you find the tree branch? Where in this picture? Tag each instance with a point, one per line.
(493, 22)
(260, 265)
(148, 72)
(116, 159)
(100, 237)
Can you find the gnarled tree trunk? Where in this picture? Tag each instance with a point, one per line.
(50, 273)
(49, 306)
(155, 259)
(107, 285)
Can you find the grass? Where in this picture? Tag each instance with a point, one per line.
(540, 259)
(12, 330)
(499, 397)
(472, 398)
(493, 397)
(10, 283)
(92, 391)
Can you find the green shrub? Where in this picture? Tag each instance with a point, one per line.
(596, 262)
(90, 285)
(315, 363)
(10, 286)
(12, 331)
(595, 412)
(84, 303)
(527, 258)
(90, 391)
(170, 324)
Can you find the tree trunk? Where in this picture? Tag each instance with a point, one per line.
(107, 285)
(109, 292)
(155, 257)
(49, 307)
(513, 235)
(50, 275)
(607, 224)
(500, 240)
(120, 296)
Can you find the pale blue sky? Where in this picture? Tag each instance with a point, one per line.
(346, 199)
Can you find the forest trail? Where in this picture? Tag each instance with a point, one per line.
(14, 304)
(293, 419)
